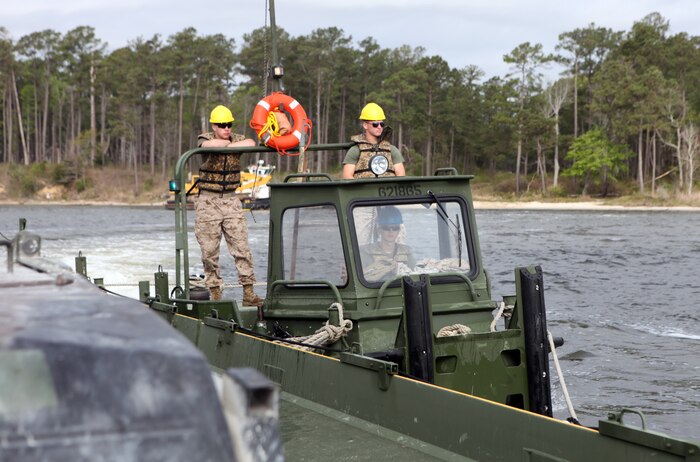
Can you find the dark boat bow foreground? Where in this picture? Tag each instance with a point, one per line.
(86, 376)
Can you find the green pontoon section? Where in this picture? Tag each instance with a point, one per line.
(345, 401)
(395, 385)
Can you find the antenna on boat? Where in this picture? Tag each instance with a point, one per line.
(276, 72)
(276, 69)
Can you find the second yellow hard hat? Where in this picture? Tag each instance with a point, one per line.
(372, 111)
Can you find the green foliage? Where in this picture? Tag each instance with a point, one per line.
(27, 180)
(594, 154)
(414, 166)
(83, 184)
(20, 181)
(557, 191)
(38, 169)
(140, 106)
(59, 173)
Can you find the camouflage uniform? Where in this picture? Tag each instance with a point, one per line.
(219, 210)
(368, 150)
(377, 265)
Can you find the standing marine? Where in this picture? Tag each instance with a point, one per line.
(219, 211)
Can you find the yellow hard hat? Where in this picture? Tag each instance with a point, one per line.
(221, 115)
(372, 111)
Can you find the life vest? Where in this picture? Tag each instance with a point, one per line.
(220, 172)
(367, 152)
(265, 123)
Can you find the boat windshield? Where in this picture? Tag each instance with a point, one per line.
(393, 240)
(416, 238)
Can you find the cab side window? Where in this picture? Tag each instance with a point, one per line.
(312, 246)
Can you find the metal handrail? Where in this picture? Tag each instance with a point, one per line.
(388, 282)
(325, 282)
(306, 176)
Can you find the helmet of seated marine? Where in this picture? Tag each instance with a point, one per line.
(372, 111)
(220, 115)
(389, 215)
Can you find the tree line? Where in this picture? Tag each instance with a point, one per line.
(625, 107)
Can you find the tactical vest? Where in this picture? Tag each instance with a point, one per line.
(402, 253)
(220, 172)
(369, 150)
(378, 265)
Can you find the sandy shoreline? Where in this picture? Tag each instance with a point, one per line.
(478, 204)
(583, 206)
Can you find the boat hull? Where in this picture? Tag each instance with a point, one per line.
(432, 420)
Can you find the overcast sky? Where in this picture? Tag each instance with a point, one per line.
(463, 32)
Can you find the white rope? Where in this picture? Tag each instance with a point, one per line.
(461, 329)
(326, 334)
(498, 315)
(561, 376)
(454, 330)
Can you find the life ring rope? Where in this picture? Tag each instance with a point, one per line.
(266, 126)
(272, 126)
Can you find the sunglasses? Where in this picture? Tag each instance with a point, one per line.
(390, 228)
(226, 125)
(379, 124)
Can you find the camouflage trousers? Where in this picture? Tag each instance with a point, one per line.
(215, 216)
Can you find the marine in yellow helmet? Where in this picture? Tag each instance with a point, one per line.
(373, 156)
(219, 211)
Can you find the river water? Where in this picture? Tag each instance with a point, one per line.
(621, 288)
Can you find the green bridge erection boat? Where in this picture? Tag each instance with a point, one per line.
(409, 356)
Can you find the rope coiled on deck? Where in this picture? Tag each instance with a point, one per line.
(454, 330)
(326, 334)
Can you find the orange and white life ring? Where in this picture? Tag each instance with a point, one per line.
(279, 102)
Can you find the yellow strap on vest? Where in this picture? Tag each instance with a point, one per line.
(272, 126)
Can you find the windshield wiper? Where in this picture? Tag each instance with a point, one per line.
(459, 241)
(442, 212)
